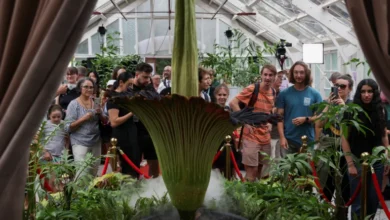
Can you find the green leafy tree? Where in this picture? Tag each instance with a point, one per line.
(238, 64)
(108, 59)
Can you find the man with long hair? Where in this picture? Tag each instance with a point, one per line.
(294, 105)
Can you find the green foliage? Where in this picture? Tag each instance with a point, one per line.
(161, 63)
(239, 64)
(275, 201)
(357, 63)
(108, 59)
(335, 116)
(291, 166)
(339, 119)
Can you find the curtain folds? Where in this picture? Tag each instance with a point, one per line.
(371, 21)
(37, 40)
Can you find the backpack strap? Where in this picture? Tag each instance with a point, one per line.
(254, 96)
(251, 103)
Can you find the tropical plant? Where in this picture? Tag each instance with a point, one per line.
(359, 62)
(108, 59)
(339, 119)
(237, 64)
(275, 200)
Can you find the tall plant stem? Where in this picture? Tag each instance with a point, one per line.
(185, 50)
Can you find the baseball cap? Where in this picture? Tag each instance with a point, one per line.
(110, 82)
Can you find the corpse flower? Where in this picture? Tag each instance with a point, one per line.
(186, 131)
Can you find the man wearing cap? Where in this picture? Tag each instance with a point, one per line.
(110, 83)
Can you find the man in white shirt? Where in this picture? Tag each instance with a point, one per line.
(166, 82)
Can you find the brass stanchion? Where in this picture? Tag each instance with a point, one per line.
(228, 169)
(303, 149)
(363, 197)
(113, 151)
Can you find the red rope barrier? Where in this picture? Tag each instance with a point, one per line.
(379, 194)
(317, 182)
(217, 156)
(105, 165)
(356, 194)
(236, 166)
(133, 165)
(46, 184)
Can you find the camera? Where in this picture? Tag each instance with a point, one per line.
(280, 52)
(281, 49)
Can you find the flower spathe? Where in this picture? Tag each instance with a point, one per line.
(186, 133)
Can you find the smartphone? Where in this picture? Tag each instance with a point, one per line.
(335, 91)
(97, 102)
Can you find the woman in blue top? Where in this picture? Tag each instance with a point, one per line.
(366, 96)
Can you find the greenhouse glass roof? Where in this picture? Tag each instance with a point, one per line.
(296, 21)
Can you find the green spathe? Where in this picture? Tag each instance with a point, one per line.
(186, 134)
(185, 50)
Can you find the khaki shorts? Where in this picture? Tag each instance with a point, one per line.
(251, 155)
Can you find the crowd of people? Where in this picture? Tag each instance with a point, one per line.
(90, 119)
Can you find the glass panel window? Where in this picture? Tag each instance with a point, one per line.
(129, 36)
(145, 7)
(199, 9)
(144, 28)
(161, 34)
(209, 34)
(199, 33)
(270, 13)
(83, 47)
(328, 62)
(160, 5)
(331, 62)
(314, 26)
(298, 32)
(113, 30)
(285, 7)
(96, 42)
(334, 61)
(223, 41)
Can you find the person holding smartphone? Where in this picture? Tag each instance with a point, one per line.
(82, 122)
(339, 95)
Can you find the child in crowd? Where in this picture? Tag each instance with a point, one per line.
(54, 136)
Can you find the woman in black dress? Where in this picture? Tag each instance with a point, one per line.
(366, 96)
(123, 126)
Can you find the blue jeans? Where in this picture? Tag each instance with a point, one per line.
(372, 198)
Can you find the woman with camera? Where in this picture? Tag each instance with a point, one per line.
(339, 96)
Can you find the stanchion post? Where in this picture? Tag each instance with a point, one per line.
(228, 169)
(303, 149)
(363, 197)
(113, 151)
